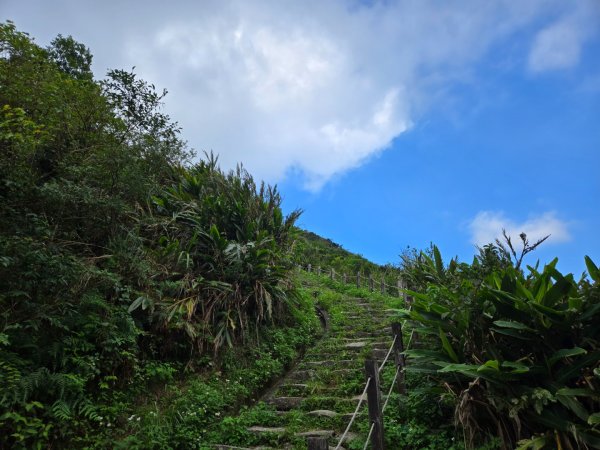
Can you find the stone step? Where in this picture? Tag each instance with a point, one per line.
(302, 375)
(349, 339)
(379, 353)
(323, 413)
(330, 414)
(365, 335)
(285, 403)
(263, 430)
(362, 328)
(382, 345)
(231, 447)
(329, 362)
(291, 390)
(315, 433)
(356, 398)
(356, 344)
(296, 385)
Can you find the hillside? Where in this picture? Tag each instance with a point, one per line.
(151, 300)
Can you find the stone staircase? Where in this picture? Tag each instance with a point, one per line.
(319, 395)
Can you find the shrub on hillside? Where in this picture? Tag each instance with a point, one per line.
(518, 354)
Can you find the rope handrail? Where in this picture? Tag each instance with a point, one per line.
(360, 402)
(410, 338)
(391, 387)
(385, 360)
(369, 436)
(373, 373)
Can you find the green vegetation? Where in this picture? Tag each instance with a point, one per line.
(127, 275)
(326, 254)
(517, 355)
(148, 302)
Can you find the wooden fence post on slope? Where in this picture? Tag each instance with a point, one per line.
(317, 443)
(371, 282)
(332, 274)
(358, 280)
(374, 402)
(309, 268)
(319, 270)
(345, 278)
(399, 357)
(400, 287)
(382, 285)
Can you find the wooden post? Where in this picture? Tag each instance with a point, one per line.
(371, 282)
(399, 355)
(309, 267)
(358, 279)
(399, 287)
(332, 274)
(345, 278)
(382, 285)
(374, 402)
(318, 270)
(317, 443)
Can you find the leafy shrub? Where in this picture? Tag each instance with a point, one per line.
(223, 243)
(519, 355)
(114, 250)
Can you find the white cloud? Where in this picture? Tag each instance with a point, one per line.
(558, 46)
(487, 226)
(312, 87)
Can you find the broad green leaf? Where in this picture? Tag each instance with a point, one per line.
(523, 291)
(550, 313)
(512, 333)
(517, 367)
(423, 353)
(463, 368)
(447, 346)
(572, 371)
(492, 364)
(513, 324)
(594, 419)
(494, 280)
(536, 443)
(592, 269)
(439, 309)
(560, 289)
(577, 392)
(592, 440)
(590, 313)
(135, 304)
(571, 403)
(439, 264)
(508, 283)
(564, 353)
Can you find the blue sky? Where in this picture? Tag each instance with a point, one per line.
(390, 124)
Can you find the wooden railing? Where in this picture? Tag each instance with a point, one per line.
(361, 281)
(372, 370)
(372, 390)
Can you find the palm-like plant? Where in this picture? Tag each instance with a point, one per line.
(225, 242)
